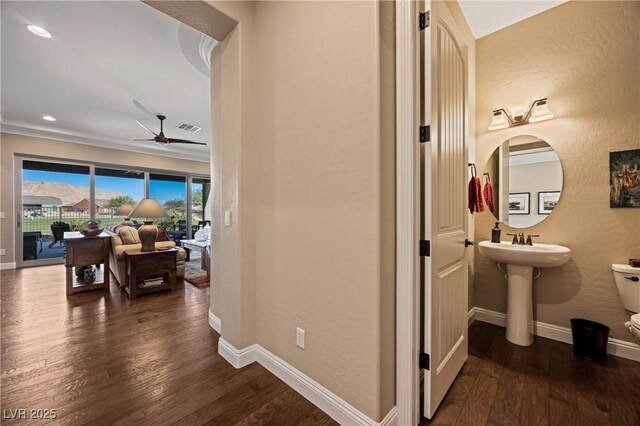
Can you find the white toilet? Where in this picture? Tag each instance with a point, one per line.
(628, 283)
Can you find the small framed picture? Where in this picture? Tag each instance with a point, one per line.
(547, 201)
(519, 203)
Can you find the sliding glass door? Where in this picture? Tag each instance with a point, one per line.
(58, 196)
(55, 197)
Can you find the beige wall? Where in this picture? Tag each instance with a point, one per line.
(584, 57)
(311, 182)
(15, 144)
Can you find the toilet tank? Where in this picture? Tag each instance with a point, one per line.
(628, 284)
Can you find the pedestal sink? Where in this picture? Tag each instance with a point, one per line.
(520, 260)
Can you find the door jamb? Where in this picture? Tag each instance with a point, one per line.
(407, 212)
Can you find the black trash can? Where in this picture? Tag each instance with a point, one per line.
(589, 339)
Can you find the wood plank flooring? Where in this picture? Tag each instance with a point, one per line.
(543, 384)
(102, 358)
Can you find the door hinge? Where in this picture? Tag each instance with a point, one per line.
(425, 361)
(424, 20)
(425, 133)
(425, 248)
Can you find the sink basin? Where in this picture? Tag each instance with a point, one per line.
(540, 255)
(520, 261)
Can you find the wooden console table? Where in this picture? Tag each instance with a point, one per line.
(87, 251)
(147, 266)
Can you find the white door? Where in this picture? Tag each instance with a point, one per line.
(445, 205)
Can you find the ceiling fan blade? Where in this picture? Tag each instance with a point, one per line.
(145, 127)
(144, 139)
(171, 140)
(144, 108)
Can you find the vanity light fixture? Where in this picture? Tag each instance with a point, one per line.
(39, 31)
(538, 111)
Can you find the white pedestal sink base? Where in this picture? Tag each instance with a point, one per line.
(520, 305)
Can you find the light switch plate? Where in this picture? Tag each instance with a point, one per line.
(1, 215)
(227, 219)
(2, 252)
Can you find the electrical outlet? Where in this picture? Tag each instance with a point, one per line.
(299, 337)
(2, 252)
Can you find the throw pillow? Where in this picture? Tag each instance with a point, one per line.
(162, 234)
(129, 235)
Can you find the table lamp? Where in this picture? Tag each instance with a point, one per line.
(125, 210)
(148, 208)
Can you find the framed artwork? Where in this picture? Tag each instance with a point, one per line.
(624, 172)
(547, 201)
(519, 203)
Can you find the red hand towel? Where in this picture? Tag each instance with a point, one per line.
(475, 195)
(488, 197)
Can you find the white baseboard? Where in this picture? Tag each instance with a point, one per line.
(237, 357)
(615, 347)
(214, 322)
(337, 408)
(471, 315)
(8, 265)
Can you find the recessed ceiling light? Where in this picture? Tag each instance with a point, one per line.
(48, 118)
(39, 31)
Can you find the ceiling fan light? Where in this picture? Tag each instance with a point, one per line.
(540, 112)
(499, 120)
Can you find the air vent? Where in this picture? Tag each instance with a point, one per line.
(189, 127)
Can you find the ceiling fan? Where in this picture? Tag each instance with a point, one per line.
(160, 138)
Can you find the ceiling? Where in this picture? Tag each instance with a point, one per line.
(105, 54)
(485, 17)
(102, 56)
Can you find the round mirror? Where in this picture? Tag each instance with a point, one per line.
(526, 176)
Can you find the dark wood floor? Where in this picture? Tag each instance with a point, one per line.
(544, 384)
(101, 358)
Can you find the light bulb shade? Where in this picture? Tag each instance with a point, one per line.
(540, 112)
(499, 121)
(124, 210)
(148, 207)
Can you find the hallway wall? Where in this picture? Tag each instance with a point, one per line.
(303, 157)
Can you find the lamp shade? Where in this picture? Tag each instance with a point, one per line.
(499, 121)
(124, 210)
(148, 207)
(540, 112)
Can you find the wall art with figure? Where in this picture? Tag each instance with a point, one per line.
(624, 169)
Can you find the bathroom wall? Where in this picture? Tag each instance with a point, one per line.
(584, 57)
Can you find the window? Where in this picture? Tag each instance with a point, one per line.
(115, 188)
(171, 192)
(200, 191)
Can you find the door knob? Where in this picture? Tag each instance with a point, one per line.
(468, 243)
